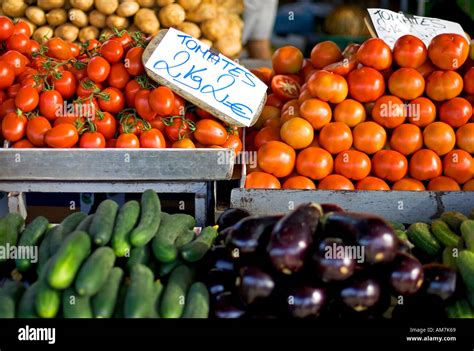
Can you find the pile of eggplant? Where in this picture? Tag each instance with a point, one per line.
(320, 261)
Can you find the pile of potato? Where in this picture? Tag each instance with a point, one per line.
(216, 22)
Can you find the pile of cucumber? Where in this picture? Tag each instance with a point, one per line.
(132, 262)
(450, 241)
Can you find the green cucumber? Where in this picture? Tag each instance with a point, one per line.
(122, 294)
(140, 293)
(185, 238)
(10, 227)
(76, 306)
(167, 268)
(29, 238)
(94, 272)
(14, 289)
(103, 304)
(196, 249)
(138, 255)
(43, 251)
(460, 309)
(448, 257)
(419, 235)
(47, 299)
(443, 233)
(470, 298)
(197, 302)
(27, 305)
(453, 219)
(127, 219)
(174, 296)
(155, 301)
(397, 225)
(68, 260)
(465, 263)
(172, 227)
(467, 232)
(65, 228)
(103, 222)
(85, 224)
(150, 219)
(7, 306)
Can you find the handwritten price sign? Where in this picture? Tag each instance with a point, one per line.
(206, 78)
(390, 26)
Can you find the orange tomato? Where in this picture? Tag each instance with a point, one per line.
(261, 180)
(448, 51)
(316, 112)
(299, 182)
(184, 143)
(465, 137)
(335, 137)
(468, 186)
(372, 183)
(328, 86)
(406, 83)
(455, 112)
(297, 132)
(425, 164)
(335, 182)
(325, 53)
(426, 69)
(459, 165)
(390, 165)
(375, 53)
(304, 95)
(287, 60)
(352, 164)
(265, 135)
(366, 84)
(469, 81)
(291, 107)
(276, 158)
(421, 111)
(369, 137)
(272, 122)
(233, 142)
(443, 85)
(406, 139)
(409, 51)
(343, 68)
(350, 112)
(439, 137)
(408, 184)
(268, 112)
(314, 163)
(265, 74)
(443, 184)
(389, 111)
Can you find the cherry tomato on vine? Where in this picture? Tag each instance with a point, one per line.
(14, 126)
(18, 42)
(133, 61)
(86, 88)
(184, 143)
(27, 99)
(233, 142)
(178, 129)
(7, 75)
(7, 106)
(92, 140)
(36, 129)
(6, 28)
(124, 38)
(58, 49)
(179, 106)
(23, 144)
(63, 135)
(13, 90)
(161, 101)
(17, 61)
(127, 141)
(98, 69)
(112, 50)
(210, 132)
(51, 104)
(23, 28)
(152, 138)
(158, 123)
(106, 124)
(118, 76)
(65, 83)
(114, 102)
(131, 90)
(142, 105)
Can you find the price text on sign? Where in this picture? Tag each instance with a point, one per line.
(390, 26)
(210, 77)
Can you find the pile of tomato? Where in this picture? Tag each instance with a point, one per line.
(367, 118)
(95, 95)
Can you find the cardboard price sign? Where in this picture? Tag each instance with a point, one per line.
(390, 26)
(206, 78)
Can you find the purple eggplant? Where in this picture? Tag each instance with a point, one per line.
(227, 305)
(333, 261)
(251, 233)
(407, 274)
(254, 284)
(230, 217)
(331, 208)
(220, 258)
(292, 238)
(219, 281)
(306, 302)
(373, 233)
(440, 280)
(361, 294)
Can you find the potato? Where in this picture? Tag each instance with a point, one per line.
(88, 33)
(67, 31)
(232, 6)
(56, 17)
(229, 46)
(190, 28)
(43, 34)
(84, 5)
(189, 4)
(114, 21)
(146, 21)
(35, 15)
(50, 4)
(206, 42)
(107, 7)
(172, 15)
(146, 3)
(162, 3)
(215, 28)
(97, 19)
(128, 8)
(78, 18)
(202, 13)
(14, 8)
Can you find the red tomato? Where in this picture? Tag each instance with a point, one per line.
(118, 76)
(124, 38)
(128, 141)
(36, 129)
(273, 100)
(233, 142)
(161, 101)
(158, 123)
(152, 138)
(58, 49)
(27, 99)
(325, 53)
(22, 27)
(328, 86)
(210, 132)
(443, 85)
(131, 90)
(448, 51)
(86, 88)
(65, 83)
(142, 105)
(111, 100)
(7, 75)
(285, 87)
(375, 53)
(112, 51)
(455, 112)
(366, 84)
(111, 143)
(23, 144)
(469, 81)
(133, 61)
(92, 140)
(185, 143)
(33, 48)
(14, 126)
(179, 105)
(409, 51)
(389, 165)
(63, 135)
(13, 90)
(105, 124)
(6, 28)
(178, 129)
(19, 42)
(75, 49)
(7, 106)
(343, 67)
(98, 69)
(287, 60)
(16, 60)
(406, 83)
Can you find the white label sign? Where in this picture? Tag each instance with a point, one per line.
(390, 26)
(210, 77)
